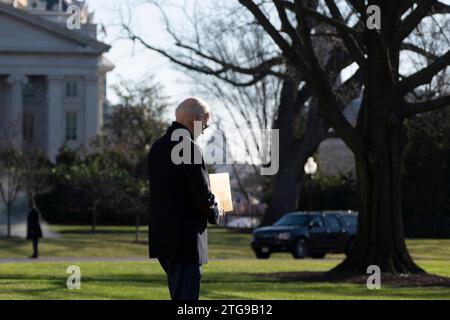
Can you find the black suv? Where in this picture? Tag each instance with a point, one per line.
(307, 234)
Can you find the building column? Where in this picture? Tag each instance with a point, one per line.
(55, 115)
(92, 114)
(15, 114)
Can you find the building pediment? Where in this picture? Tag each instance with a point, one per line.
(23, 32)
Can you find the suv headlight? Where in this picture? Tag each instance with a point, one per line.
(284, 235)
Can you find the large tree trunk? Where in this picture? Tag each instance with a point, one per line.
(295, 148)
(285, 183)
(380, 239)
(285, 193)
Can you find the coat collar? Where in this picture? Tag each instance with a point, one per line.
(176, 125)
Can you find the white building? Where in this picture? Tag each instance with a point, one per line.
(52, 79)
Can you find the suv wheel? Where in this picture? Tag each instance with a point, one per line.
(299, 250)
(262, 255)
(318, 255)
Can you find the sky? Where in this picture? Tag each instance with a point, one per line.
(133, 61)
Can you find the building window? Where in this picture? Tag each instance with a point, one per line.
(71, 126)
(28, 127)
(28, 91)
(71, 88)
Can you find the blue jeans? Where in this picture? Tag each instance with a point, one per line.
(183, 279)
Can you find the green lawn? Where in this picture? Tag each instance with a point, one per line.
(224, 279)
(234, 275)
(116, 242)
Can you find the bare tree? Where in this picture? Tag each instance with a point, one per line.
(247, 111)
(136, 122)
(238, 60)
(12, 181)
(20, 171)
(377, 141)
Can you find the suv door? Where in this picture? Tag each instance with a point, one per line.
(334, 236)
(317, 234)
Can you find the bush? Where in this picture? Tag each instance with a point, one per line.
(426, 177)
(328, 193)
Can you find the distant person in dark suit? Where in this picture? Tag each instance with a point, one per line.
(34, 231)
(181, 202)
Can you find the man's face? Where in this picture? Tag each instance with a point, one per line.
(205, 124)
(200, 125)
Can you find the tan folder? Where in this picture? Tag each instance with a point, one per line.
(220, 187)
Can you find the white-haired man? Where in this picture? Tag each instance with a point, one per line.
(181, 202)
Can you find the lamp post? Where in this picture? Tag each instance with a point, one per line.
(310, 170)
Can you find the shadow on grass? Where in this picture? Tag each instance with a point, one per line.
(9, 278)
(391, 280)
(85, 231)
(13, 242)
(286, 285)
(396, 281)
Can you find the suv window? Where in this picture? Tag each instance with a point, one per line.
(349, 221)
(332, 222)
(293, 220)
(316, 219)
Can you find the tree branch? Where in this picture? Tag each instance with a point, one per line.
(416, 49)
(411, 21)
(258, 72)
(320, 17)
(411, 109)
(329, 106)
(349, 40)
(304, 29)
(440, 8)
(286, 24)
(344, 129)
(350, 89)
(359, 6)
(270, 29)
(425, 75)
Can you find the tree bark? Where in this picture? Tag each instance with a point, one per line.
(380, 238)
(285, 193)
(294, 150)
(285, 185)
